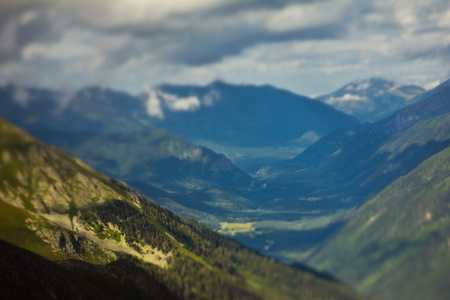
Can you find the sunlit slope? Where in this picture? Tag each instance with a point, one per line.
(56, 206)
(396, 245)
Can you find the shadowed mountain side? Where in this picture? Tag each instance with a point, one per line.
(366, 164)
(26, 275)
(250, 116)
(396, 245)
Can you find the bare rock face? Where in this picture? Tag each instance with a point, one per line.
(70, 243)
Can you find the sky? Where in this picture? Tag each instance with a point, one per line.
(308, 47)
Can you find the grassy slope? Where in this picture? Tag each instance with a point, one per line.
(57, 207)
(396, 245)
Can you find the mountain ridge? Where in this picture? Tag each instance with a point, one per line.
(371, 99)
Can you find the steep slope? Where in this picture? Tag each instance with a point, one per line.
(372, 99)
(57, 207)
(396, 245)
(156, 157)
(26, 275)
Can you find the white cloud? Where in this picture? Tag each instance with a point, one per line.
(176, 103)
(153, 104)
(346, 97)
(65, 49)
(432, 85)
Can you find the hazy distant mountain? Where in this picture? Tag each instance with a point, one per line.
(250, 116)
(56, 206)
(395, 247)
(221, 113)
(352, 163)
(372, 99)
(437, 103)
(88, 110)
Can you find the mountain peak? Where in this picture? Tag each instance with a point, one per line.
(371, 99)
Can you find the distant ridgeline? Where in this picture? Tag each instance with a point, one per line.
(373, 99)
(250, 116)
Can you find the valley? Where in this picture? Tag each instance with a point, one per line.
(225, 150)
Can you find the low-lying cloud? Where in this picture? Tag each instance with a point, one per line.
(346, 97)
(159, 101)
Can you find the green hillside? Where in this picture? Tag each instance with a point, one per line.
(157, 157)
(56, 206)
(396, 245)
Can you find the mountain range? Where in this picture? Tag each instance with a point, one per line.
(366, 157)
(364, 201)
(341, 171)
(372, 99)
(220, 113)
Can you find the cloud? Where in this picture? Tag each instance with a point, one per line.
(301, 45)
(432, 85)
(158, 101)
(175, 103)
(153, 105)
(346, 97)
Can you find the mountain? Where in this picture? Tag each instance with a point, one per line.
(372, 99)
(358, 155)
(317, 191)
(91, 109)
(57, 207)
(248, 116)
(396, 246)
(250, 124)
(157, 157)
